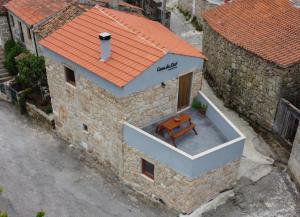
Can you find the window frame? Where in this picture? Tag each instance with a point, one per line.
(67, 70)
(21, 31)
(12, 20)
(144, 171)
(29, 33)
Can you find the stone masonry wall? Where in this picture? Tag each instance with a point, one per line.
(174, 189)
(294, 162)
(4, 30)
(90, 105)
(103, 113)
(247, 83)
(28, 43)
(156, 103)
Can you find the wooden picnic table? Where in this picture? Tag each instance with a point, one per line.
(172, 123)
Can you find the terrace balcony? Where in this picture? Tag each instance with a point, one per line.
(218, 142)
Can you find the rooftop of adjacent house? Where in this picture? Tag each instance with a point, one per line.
(267, 28)
(32, 11)
(64, 16)
(3, 10)
(136, 44)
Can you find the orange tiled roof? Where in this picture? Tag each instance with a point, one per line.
(33, 11)
(136, 43)
(267, 28)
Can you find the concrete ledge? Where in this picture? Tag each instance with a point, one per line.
(39, 115)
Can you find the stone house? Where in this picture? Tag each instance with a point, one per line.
(112, 81)
(254, 60)
(28, 14)
(5, 34)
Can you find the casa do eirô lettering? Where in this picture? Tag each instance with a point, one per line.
(169, 66)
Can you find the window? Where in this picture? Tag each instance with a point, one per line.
(85, 128)
(29, 33)
(70, 76)
(148, 169)
(21, 31)
(12, 20)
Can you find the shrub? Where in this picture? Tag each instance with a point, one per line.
(198, 105)
(32, 71)
(10, 62)
(3, 214)
(8, 46)
(1, 190)
(40, 214)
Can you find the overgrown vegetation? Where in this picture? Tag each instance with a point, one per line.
(194, 21)
(196, 24)
(11, 50)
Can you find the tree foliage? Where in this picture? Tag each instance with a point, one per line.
(12, 50)
(32, 71)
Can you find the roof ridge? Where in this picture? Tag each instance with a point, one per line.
(126, 26)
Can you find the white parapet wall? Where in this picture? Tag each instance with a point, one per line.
(183, 163)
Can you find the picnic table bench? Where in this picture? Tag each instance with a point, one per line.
(176, 122)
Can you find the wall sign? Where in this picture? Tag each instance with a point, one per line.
(168, 67)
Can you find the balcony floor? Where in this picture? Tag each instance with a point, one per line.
(209, 135)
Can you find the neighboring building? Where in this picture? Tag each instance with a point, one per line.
(294, 161)
(197, 7)
(253, 51)
(27, 14)
(5, 34)
(112, 81)
(153, 9)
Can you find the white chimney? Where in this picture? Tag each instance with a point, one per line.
(105, 46)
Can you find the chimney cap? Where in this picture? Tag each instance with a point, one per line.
(104, 36)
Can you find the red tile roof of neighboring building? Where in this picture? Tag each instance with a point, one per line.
(3, 10)
(267, 28)
(136, 43)
(33, 11)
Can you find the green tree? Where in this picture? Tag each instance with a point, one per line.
(12, 50)
(32, 71)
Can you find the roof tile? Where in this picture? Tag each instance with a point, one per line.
(32, 11)
(134, 47)
(267, 28)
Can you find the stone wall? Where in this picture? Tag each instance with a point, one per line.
(4, 30)
(156, 103)
(28, 43)
(39, 115)
(103, 113)
(200, 6)
(174, 189)
(86, 104)
(246, 82)
(294, 162)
